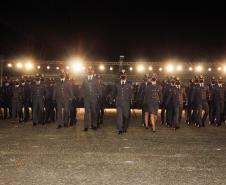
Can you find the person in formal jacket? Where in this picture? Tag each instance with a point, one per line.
(152, 100)
(123, 94)
(62, 95)
(90, 92)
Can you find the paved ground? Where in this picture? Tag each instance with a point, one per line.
(45, 155)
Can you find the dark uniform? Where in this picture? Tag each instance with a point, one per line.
(38, 95)
(74, 104)
(90, 92)
(7, 93)
(173, 104)
(200, 100)
(49, 103)
(141, 96)
(101, 101)
(27, 100)
(62, 94)
(17, 101)
(217, 98)
(123, 94)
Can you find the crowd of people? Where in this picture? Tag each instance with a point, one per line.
(45, 100)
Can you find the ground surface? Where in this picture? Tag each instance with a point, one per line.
(45, 155)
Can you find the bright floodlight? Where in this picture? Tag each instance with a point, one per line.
(169, 68)
(219, 68)
(111, 68)
(179, 68)
(190, 68)
(67, 67)
(38, 67)
(140, 68)
(131, 68)
(57, 68)
(150, 68)
(224, 68)
(28, 66)
(10, 65)
(19, 65)
(48, 67)
(102, 67)
(199, 68)
(160, 69)
(77, 67)
(209, 69)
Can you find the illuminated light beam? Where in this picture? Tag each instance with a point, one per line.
(190, 68)
(179, 68)
(77, 67)
(199, 68)
(131, 68)
(48, 67)
(19, 65)
(150, 68)
(9, 65)
(111, 68)
(29, 66)
(38, 67)
(219, 68)
(169, 68)
(140, 68)
(209, 69)
(160, 69)
(102, 67)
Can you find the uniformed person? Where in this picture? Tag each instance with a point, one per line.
(62, 94)
(101, 101)
(90, 92)
(17, 101)
(189, 103)
(141, 91)
(7, 97)
(200, 100)
(38, 97)
(182, 98)
(173, 104)
(211, 104)
(123, 94)
(49, 103)
(217, 98)
(152, 100)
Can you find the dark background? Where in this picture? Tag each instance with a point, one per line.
(102, 31)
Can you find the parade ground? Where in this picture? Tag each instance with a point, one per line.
(46, 155)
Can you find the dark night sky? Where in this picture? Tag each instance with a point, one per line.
(50, 30)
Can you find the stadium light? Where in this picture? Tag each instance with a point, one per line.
(67, 67)
(219, 68)
(102, 67)
(48, 67)
(140, 68)
(38, 67)
(179, 68)
(111, 68)
(19, 65)
(77, 67)
(29, 66)
(160, 69)
(209, 69)
(224, 68)
(198, 68)
(130, 68)
(190, 68)
(9, 65)
(57, 68)
(150, 68)
(169, 68)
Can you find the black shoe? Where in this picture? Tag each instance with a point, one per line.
(125, 131)
(85, 129)
(59, 126)
(34, 124)
(153, 131)
(120, 132)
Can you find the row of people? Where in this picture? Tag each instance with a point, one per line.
(58, 99)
